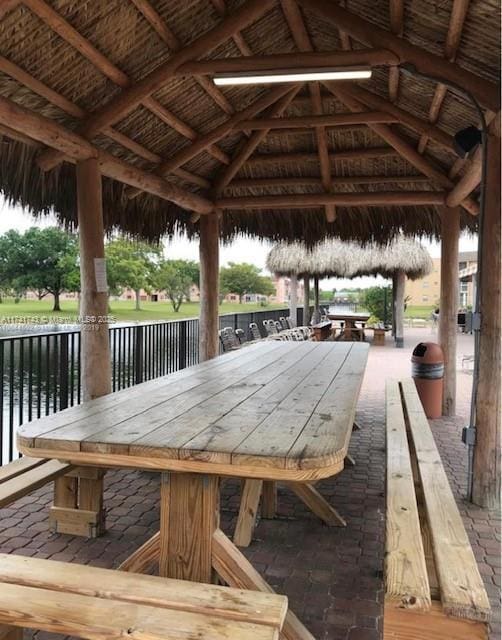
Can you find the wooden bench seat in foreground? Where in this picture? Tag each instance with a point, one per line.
(99, 604)
(433, 587)
(21, 477)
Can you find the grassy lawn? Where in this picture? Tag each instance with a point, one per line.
(419, 312)
(121, 310)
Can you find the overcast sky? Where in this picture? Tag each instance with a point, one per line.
(241, 250)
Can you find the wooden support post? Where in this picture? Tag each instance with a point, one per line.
(448, 304)
(486, 471)
(11, 633)
(293, 299)
(306, 301)
(317, 313)
(399, 309)
(78, 497)
(95, 346)
(189, 513)
(209, 287)
(394, 286)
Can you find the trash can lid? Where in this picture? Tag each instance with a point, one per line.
(427, 353)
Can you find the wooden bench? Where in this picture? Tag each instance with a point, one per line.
(322, 330)
(23, 476)
(97, 604)
(433, 589)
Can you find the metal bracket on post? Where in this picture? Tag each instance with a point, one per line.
(469, 436)
(476, 321)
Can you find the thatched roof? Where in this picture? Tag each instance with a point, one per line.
(336, 259)
(66, 60)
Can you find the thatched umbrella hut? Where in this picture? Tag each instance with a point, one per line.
(113, 105)
(399, 259)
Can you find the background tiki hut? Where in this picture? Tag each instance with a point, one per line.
(399, 259)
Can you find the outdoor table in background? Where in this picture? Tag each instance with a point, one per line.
(277, 411)
(350, 331)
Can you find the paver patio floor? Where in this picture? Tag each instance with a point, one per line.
(332, 576)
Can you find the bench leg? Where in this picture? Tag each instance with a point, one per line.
(78, 503)
(248, 510)
(317, 504)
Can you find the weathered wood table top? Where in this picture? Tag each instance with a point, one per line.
(272, 410)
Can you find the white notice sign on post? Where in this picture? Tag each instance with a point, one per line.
(100, 275)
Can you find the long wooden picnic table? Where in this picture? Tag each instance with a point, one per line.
(276, 411)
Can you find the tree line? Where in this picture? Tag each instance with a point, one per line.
(46, 261)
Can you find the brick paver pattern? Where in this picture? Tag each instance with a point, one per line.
(333, 577)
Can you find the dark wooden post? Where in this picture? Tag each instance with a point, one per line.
(306, 301)
(95, 345)
(317, 313)
(486, 468)
(293, 298)
(209, 247)
(448, 304)
(399, 309)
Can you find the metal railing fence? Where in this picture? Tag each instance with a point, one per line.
(40, 373)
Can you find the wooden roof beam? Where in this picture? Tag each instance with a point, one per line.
(299, 201)
(201, 144)
(288, 62)
(468, 182)
(487, 93)
(81, 44)
(165, 34)
(373, 101)
(332, 120)
(308, 156)
(407, 152)
(253, 183)
(302, 40)
(38, 87)
(237, 37)
(459, 10)
(252, 143)
(121, 105)
(396, 11)
(74, 146)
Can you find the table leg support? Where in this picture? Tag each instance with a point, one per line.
(309, 495)
(236, 570)
(189, 515)
(11, 633)
(248, 510)
(78, 503)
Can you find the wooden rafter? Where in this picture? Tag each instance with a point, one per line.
(172, 41)
(300, 157)
(396, 11)
(81, 44)
(245, 151)
(237, 37)
(74, 110)
(253, 183)
(487, 93)
(121, 105)
(458, 14)
(75, 147)
(407, 152)
(332, 120)
(289, 62)
(292, 201)
(302, 40)
(201, 144)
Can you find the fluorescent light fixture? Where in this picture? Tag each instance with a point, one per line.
(303, 76)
